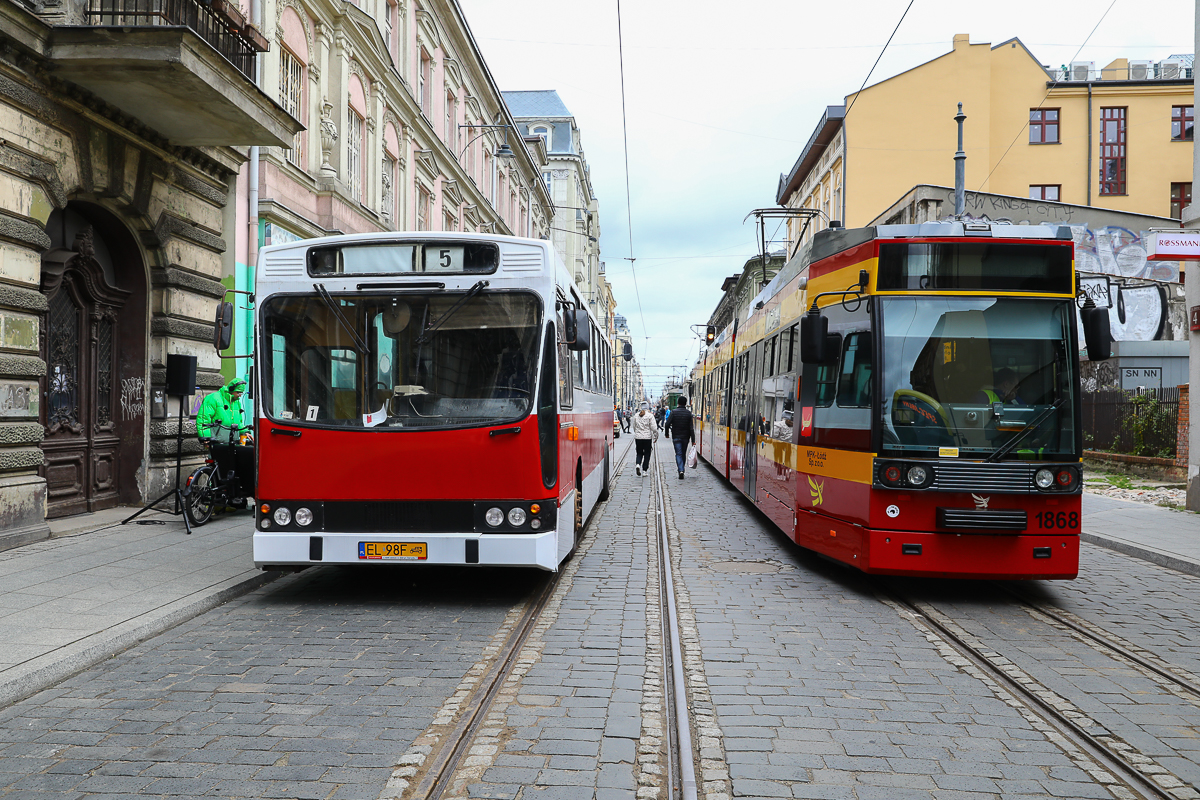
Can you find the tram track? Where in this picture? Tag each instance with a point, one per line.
(427, 772)
(1125, 771)
(681, 763)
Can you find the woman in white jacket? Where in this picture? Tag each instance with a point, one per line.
(645, 434)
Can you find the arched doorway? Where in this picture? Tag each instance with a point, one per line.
(94, 345)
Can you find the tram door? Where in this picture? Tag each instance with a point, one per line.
(753, 419)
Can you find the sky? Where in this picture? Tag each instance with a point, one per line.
(720, 99)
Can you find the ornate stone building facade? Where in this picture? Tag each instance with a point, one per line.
(406, 130)
(117, 170)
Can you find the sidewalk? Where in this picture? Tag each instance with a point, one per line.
(99, 587)
(1168, 538)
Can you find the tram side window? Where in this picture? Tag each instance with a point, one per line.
(854, 383)
(827, 375)
(787, 344)
(769, 358)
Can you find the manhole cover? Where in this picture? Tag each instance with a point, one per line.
(745, 567)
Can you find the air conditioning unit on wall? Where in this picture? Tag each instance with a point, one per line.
(1082, 70)
(1170, 69)
(1141, 70)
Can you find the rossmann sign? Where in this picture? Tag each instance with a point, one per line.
(1174, 246)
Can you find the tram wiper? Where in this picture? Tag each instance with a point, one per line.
(437, 323)
(1007, 448)
(359, 344)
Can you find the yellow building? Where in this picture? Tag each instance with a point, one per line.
(1118, 138)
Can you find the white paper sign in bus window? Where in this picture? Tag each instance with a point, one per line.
(443, 259)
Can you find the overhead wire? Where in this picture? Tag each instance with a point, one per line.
(877, 59)
(1049, 89)
(628, 193)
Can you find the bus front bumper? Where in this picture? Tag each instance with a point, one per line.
(293, 549)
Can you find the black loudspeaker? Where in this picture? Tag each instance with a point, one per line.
(181, 375)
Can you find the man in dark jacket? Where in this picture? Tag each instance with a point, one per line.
(681, 433)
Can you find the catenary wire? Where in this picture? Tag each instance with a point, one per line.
(1049, 89)
(876, 64)
(628, 194)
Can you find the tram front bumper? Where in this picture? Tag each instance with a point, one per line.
(291, 549)
(972, 555)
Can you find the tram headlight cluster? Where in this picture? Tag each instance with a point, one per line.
(908, 476)
(1056, 479)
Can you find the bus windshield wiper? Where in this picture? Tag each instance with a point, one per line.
(437, 323)
(1001, 452)
(359, 344)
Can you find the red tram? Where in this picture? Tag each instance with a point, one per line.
(426, 398)
(905, 399)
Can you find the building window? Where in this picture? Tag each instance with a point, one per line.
(1043, 126)
(354, 151)
(1181, 198)
(1046, 191)
(548, 178)
(448, 221)
(452, 122)
(1182, 118)
(544, 132)
(1113, 169)
(424, 80)
(422, 209)
(291, 97)
(388, 202)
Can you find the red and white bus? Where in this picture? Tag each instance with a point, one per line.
(426, 398)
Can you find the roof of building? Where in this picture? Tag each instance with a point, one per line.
(822, 135)
(535, 103)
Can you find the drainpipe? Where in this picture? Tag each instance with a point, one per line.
(252, 193)
(1088, 181)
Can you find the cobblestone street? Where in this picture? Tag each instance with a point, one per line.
(805, 679)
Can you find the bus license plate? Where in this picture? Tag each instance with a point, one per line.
(393, 551)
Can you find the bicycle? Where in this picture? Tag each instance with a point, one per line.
(225, 481)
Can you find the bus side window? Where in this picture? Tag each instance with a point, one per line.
(827, 375)
(854, 383)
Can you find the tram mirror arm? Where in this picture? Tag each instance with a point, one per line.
(814, 326)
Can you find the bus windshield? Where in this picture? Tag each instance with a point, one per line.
(970, 374)
(441, 360)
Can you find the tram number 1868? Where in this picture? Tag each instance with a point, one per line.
(1060, 519)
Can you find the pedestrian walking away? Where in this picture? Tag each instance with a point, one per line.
(659, 415)
(681, 433)
(645, 434)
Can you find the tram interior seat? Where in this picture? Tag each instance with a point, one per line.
(963, 361)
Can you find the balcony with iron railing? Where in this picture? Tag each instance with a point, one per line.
(218, 22)
(184, 68)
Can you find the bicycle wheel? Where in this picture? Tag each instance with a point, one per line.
(199, 498)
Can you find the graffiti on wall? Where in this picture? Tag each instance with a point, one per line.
(133, 398)
(1121, 253)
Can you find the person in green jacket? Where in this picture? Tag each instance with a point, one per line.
(222, 417)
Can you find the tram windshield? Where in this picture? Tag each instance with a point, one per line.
(973, 373)
(442, 360)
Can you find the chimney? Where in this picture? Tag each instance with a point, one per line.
(961, 39)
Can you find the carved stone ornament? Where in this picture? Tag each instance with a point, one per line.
(329, 135)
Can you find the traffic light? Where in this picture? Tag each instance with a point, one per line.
(710, 334)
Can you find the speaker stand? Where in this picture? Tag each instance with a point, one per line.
(177, 493)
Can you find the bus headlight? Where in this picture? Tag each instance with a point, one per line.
(282, 516)
(304, 516)
(494, 517)
(1044, 478)
(917, 476)
(516, 517)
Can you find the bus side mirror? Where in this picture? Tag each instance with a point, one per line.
(1097, 334)
(814, 330)
(577, 337)
(627, 351)
(223, 332)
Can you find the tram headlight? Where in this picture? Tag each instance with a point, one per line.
(304, 516)
(516, 517)
(891, 474)
(1065, 478)
(494, 517)
(1044, 478)
(282, 516)
(917, 475)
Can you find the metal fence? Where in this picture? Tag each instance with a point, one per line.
(214, 28)
(1138, 423)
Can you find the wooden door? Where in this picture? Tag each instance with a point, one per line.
(81, 350)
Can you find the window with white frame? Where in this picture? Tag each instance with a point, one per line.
(548, 178)
(542, 131)
(422, 208)
(291, 97)
(452, 122)
(424, 83)
(354, 153)
(387, 203)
